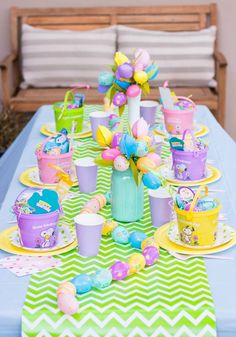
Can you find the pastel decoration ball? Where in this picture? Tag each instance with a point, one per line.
(136, 263)
(66, 288)
(121, 163)
(145, 164)
(125, 70)
(68, 304)
(82, 283)
(151, 255)
(120, 235)
(142, 149)
(151, 181)
(108, 227)
(133, 90)
(119, 99)
(140, 77)
(102, 278)
(149, 242)
(110, 154)
(116, 139)
(105, 78)
(93, 204)
(155, 157)
(119, 270)
(103, 88)
(142, 56)
(136, 238)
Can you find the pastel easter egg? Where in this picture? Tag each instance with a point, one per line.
(155, 157)
(93, 204)
(206, 204)
(142, 149)
(140, 77)
(119, 270)
(122, 84)
(121, 163)
(136, 263)
(101, 199)
(110, 154)
(82, 283)
(103, 88)
(68, 304)
(145, 164)
(108, 227)
(133, 90)
(102, 278)
(116, 139)
(151, 255)
(152, 71)
(149, 242)
(151, 181)
(66, 288)
(125, 70)
(136, 238)
(86, 210)
(119, 99)
(120, 235)
(105, 78)
(179, 202)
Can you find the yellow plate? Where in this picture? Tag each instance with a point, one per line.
(46, 132)
(25, 179)
(200, 133)
(161, 236)
(6, 245)
(215, 175)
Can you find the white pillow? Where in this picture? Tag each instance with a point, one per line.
(184, 58)
(58, 58)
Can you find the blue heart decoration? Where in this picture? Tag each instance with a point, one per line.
(44, 201)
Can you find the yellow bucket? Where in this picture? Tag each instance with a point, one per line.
(198, 228)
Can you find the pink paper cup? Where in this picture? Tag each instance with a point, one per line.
(89, 233)
(98, 118)
(160, 206)
(148, 111)
(86, 171)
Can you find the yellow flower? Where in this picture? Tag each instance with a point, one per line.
(104, 136)
(120, 58)
(140, 77)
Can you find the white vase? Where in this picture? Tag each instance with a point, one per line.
(133, 109)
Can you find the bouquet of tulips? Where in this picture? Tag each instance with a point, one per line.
(128, 77)
(134, 150)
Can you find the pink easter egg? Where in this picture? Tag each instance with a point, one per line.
(68, 304)
(110, 154)
(93, 204)
(154, 157)
(133, 90)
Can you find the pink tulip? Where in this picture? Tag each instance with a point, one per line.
(110, 154)
(140, 128)
(142, 57)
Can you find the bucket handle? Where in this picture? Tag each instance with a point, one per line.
(69, 95)
(197, 194)
(187, 99)
(195, 153)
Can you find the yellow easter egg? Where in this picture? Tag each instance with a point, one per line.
(66, 288)
(145, 164)
(136, 263)
(149, 242)
(140, 77)
(108, 227)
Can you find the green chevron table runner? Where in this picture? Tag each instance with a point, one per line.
(169, 299)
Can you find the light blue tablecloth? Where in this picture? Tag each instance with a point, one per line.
(222, 274)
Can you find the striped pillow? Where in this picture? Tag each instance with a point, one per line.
(58, 58)
(184, 58)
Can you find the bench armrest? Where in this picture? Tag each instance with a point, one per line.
(220, 59)
(7, 61)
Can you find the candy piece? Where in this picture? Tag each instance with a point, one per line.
(119, 98)
(66, 288)
(121, 163)
(120, 235)
(119, 270)
(136, 263)
(136, 238)
(68, 304)
(145, 164)
(149, 242)
(151, 255)
(155, 157)
(108, 227)
(82, 283)
(151, 181)
(142, 149)
(101, 278)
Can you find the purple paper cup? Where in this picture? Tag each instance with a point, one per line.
(89, 233)
(148, 111)
(86, 171)
(160, 206)
(98, 118)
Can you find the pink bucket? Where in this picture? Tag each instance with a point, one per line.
(47, 174)
(176, 121)
(189, 165)
(38, 230)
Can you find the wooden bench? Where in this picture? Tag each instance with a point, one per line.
(168, 18)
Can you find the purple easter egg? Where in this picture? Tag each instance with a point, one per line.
(119, 99)
(151, 255)
(125, 70)
(103, 88)
(116, 139)
(119, 270)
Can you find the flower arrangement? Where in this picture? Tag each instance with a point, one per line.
(128, 77)
(134, 150)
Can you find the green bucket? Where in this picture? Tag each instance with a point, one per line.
(64, 117)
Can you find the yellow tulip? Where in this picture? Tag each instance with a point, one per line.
(120, 58)
(140, 77)
(104, 136)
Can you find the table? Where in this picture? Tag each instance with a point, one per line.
(222, 274)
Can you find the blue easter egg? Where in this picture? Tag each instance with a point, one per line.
(152, 71)
(206, 204)
(82, 283)
(102, 278)
(136, 238)
(179, 202)
(120, 235)
(122, 84)
(142, 149)
(105, 78)
(151, 181)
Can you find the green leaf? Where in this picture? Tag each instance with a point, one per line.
(140, 176)
(145, 88)
(96, 149)
(102, 162)
(108, 93)
(134, 169)
(121, 110)
(113, 68)
(112, 93)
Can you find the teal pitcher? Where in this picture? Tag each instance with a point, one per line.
(127, 197)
